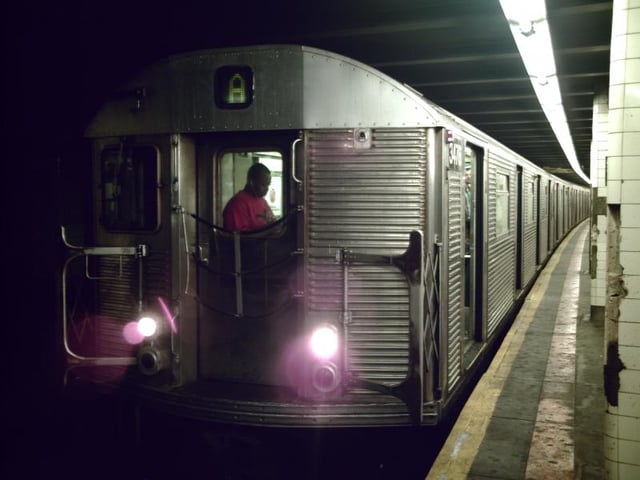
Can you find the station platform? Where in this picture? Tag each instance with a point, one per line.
(538, 411)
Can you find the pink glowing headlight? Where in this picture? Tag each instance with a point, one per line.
(324, 342)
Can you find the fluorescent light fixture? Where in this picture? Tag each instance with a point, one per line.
(530, 30)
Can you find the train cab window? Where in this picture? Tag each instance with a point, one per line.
(130, 194)
(233, 177)
(531, 198)
(502, 204)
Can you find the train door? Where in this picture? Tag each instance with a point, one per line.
(473, 250)
(552, 215)
(538, 193)
(519, 228)
(247, 277)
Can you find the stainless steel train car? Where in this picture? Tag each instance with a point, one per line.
(404, 240)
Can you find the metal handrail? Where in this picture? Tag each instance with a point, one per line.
(138, 251)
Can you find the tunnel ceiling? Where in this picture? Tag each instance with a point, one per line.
(459, 54)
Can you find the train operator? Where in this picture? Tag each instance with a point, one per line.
(248, 210)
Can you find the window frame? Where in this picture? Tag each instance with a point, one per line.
(153, 184)
(501, 195)
(220, 199)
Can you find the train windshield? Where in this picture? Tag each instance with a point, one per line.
(130, 194)
(234, 166)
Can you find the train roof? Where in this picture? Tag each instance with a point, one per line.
(294, 87)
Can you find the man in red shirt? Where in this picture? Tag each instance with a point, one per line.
(248, 210)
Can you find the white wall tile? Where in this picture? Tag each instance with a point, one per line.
(616, 95)
(632, 70)
(632, 286)
(630, 192)
(613, 191)
(618, 48)
(611, 424)
(614, 147)
(628, 472)
(630, 381)
(631, 143)
(629, 236)
(616, 121)
(619, 18)
(632, 90)
(631, 119)
(633, 20)
(617, 70)
(629, 404)
(631, 263)
(629, 428)
(598, 298)
(601, 173)
(614, 161)
(629, 308)
(633, 45)
(630, 357)
(629, 452)
(629, 333)
(597, 292)
(630, 217)
(631, 167)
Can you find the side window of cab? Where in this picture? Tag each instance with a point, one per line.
(130, 193)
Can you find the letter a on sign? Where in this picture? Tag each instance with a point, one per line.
(233, 87)
(236, 92)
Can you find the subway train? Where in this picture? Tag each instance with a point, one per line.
(403, 242)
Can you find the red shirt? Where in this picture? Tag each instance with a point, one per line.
(245, 212)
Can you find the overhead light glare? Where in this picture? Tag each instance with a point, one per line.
(530, 30)
(524, 14)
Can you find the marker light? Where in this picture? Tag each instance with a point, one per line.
(324, 342)
(325, 377)
(147, 326)
(152, 360)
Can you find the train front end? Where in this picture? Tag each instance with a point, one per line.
(328, 316)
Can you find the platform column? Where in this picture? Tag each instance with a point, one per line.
(622, 321)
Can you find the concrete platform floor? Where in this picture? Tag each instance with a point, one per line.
(538, 411)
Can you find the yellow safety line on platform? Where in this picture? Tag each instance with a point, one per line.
(459, 451)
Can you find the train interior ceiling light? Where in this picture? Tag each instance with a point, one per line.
(530, 30)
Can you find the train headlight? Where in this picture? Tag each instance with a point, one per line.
(324, 341)
(147, 326)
